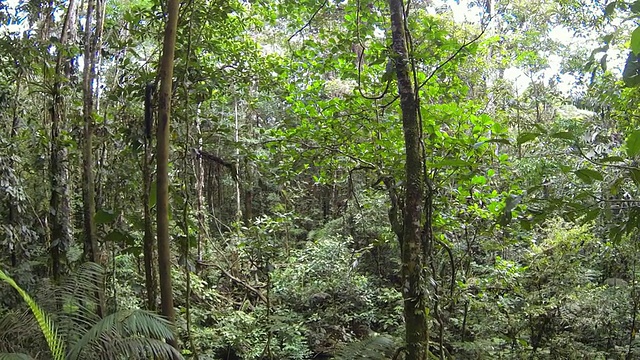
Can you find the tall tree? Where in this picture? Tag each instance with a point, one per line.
(91, 43)
(164, 103)
(60, 213)
(88, 187)
(413, 249)
(151, 282)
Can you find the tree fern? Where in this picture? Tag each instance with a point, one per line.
(78, 296)
(132, 333)
(372, 348)
(55, 343)
(126, 334)
(139, 348)
(18, 328)
(14, 356)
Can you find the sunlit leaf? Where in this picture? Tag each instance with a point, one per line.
(479, 180)
(633, 143)
(635, 41)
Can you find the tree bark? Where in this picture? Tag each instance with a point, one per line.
(92, 39)
(166, 84)
(11, 203)
(151, 282)
(200, 196)
(88, 188)
(60, 212)
(412, 246)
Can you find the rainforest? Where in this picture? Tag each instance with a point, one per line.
(319, 179)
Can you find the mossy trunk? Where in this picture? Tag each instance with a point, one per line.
(412, 245)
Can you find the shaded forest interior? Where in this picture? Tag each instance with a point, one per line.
(365, 179)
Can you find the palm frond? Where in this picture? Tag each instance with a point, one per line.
(139, 348)
(56, 345)
(132, 327)
(78, 296)
(17, 328)
(14, 356)
(373, 348)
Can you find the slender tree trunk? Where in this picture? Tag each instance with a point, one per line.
(236, 138)
(151, 282)
(166, 84)
(11, 204)
(412, 247)
(200, 197)
(60, 212)
(92, 41)
(247, 215)
(88, 189)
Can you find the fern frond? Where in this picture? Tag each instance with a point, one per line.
(17, 329)
(139, 348)
(373, 348)
(56, 345)
(78, 295)
(14, 356)
(126, 327)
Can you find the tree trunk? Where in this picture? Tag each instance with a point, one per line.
(412, 246)
(92, 40)
(11, 203)
(60, 213)
(166, 84)
(236, 169)
(200, 197)
(248, 194)
(88, 189)
(151, 282)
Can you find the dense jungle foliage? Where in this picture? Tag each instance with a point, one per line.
(357, 179)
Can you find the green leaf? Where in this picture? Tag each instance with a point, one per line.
(635, 176)
(104, 216)
(591, 215)
(479, 180)
(635, 41)
(526, 137)
(567, 135)
(588, 175)
(565, 168)
(631, 72)
(607, 38)
(603, 62)
(610, 8)
(153, 195)
(54, 341)
(633, 143)
(596, 51)
(450, 162)
(635, 7)
(133, 250)
(116, 236)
